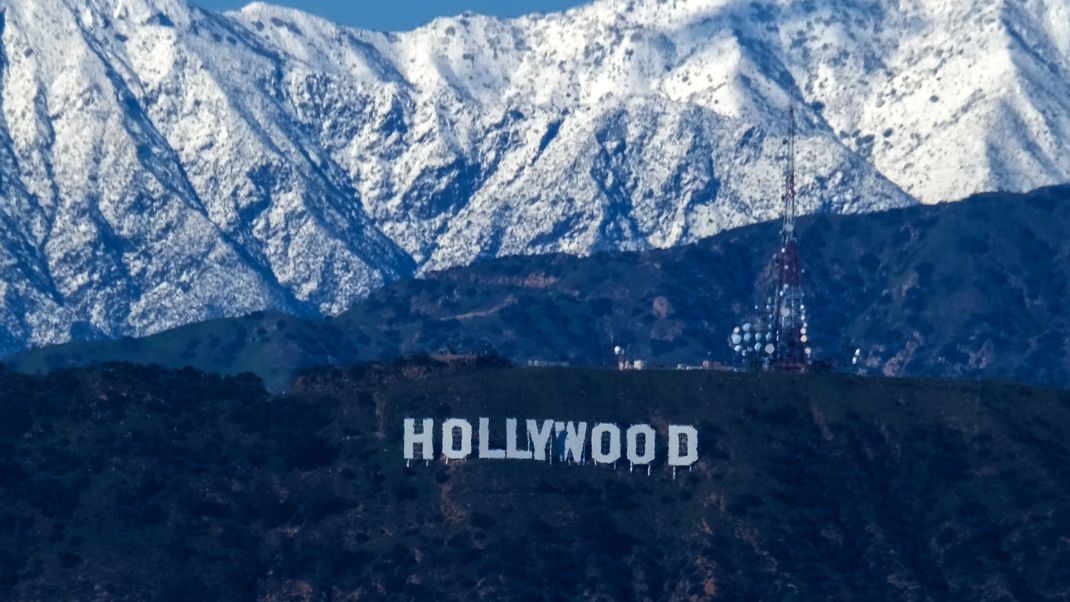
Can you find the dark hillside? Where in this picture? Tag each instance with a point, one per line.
(126, 483)
(975, 289)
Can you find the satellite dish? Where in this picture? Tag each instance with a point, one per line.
(804, 338)
(736, 338)
(807, 351)
(617, 350)
(802, 330)
(769, 348)
(757, 346)
(769, 336)
(784, 311)
(747, 337)
(746, 327)
(738, 348)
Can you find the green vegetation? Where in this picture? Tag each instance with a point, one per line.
(131, 483)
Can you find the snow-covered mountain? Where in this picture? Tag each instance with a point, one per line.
(161, 164)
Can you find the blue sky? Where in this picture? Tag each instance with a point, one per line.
(396, 15)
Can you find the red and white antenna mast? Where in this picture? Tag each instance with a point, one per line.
(779, 340)
(788, 229)
(787, 307)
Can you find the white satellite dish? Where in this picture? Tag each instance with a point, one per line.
(769, 348)
(736, 338)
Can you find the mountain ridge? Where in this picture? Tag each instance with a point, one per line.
(968, 290)
(163, 164)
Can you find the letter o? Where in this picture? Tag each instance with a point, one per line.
(613, 454)
(449, 450)
(648, 443)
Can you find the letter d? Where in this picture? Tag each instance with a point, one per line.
(683, 445)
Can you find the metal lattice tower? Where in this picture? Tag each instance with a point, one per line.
(787, 308)
(778, 339)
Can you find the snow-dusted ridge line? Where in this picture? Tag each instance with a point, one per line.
(162, 164)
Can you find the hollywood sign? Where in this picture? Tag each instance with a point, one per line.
(550, 441)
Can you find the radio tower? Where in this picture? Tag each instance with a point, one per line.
(778, 341)
(787, 316)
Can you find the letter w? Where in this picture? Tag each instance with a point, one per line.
(575, 436)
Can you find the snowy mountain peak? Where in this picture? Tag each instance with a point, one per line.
(161, 164)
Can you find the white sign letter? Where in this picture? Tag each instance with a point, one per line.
(511, 450)
(449, 430)
(484, 442)
(613, 453)
(683, 453)
(648, 434)
(571, 438)
(426, 439)
(539, 437)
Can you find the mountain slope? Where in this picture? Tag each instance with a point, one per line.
(162, 164)
(563, 133)
(946, 99)
(124, 483)
(975, 289)
(109, 114)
